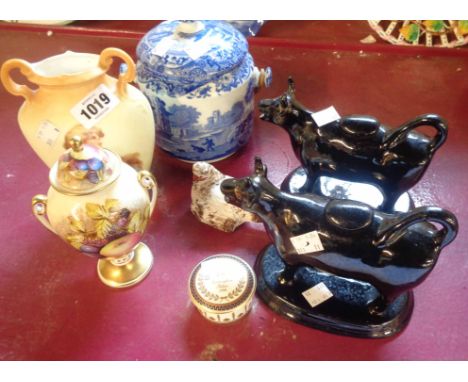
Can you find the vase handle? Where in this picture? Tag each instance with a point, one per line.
(10, 85)
(148, 182)
(127, 71)
(263, 77)
(39, 207)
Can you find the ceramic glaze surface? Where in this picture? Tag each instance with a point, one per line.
(63, 81)
(222, 288)
(100, 206)
(208, 203)
(118, 214)
(186, 61)
(393, 252)
(357, 148)
(200, 80)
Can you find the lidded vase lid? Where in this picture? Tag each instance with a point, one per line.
(192, 52)
(84, 169)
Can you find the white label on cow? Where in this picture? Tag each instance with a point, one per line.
(307, 243)
(317, 294)
(325, 116)
(95, 106)
(47, 133)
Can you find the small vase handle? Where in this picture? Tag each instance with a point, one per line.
(10, 85)
(106, 59)
(432, 120)
(39, 207)
(148, 182)
(263, 77)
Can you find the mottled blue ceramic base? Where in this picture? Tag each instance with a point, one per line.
(346, 313)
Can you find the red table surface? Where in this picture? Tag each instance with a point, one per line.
(326, 31)
(53, 307)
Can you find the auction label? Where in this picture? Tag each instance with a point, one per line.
(317, 294)
(325, 116)
(307, 243)
(95, 106)
(47, 133)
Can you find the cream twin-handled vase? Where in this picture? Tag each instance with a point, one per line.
(76, 96)
(101, 206)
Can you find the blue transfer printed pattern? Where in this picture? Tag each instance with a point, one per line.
(250, 91)
(168, 71)
(225, 61)
(225, 82)
(181, 134)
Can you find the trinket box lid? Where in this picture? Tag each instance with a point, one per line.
(84, 169)
(192, 52)
(222, 288)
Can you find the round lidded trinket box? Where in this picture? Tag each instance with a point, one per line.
(222, 288)
(200, 80)
(101, 206)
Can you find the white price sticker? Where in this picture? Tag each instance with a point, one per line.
(198, 49)
(163, 46)
(95, 106)
(307, 243)
(325, 116)
(47, 133)
(317, 294)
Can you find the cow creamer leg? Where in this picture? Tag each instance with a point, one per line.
(297, 181)
(286, 278)
(390, 195)
(308, 185)
(318, 167)
(390, 199)
(379, 306)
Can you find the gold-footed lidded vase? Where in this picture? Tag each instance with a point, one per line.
(101, 206)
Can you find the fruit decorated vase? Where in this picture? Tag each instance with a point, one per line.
(101, 206)
(76, 96)
(200, 79)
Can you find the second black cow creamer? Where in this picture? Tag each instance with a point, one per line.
(391, 252)
(356, 148)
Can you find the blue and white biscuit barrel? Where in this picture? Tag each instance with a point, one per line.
(200, 80)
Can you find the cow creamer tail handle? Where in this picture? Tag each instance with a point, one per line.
(432, 120)
(394, 231)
